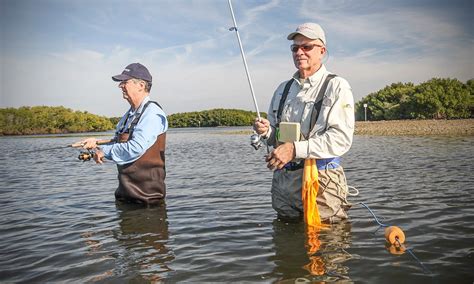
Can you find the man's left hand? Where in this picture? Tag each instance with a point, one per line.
(279, 157)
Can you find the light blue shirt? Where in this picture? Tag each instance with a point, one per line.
(152, 123)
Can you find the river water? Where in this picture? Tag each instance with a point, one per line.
(60, 222)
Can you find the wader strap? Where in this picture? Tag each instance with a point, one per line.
(317, 106)
(284, 95)
(122, 128)
(137, 118)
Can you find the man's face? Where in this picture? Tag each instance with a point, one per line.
(129, 88)
(307, 53)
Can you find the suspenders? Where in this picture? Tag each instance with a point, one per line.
(132, 125)
(317, 106)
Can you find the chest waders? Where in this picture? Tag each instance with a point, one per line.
(142, 181)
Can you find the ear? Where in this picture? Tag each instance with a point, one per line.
(323, 50)
(142, 85)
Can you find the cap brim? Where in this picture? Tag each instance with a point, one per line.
(292, 35)
(121, 77)
(306, 34)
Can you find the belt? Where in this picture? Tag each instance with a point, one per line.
(322, 164)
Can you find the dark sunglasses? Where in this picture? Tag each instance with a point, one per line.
(304, 47)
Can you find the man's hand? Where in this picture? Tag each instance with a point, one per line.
(89, 143)
(99, 156)
(279, 157)
(261, 126)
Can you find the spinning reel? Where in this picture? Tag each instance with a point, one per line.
(255, 141)
(86, 155)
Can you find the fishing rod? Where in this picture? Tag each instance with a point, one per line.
(83, 155)
(254, 138)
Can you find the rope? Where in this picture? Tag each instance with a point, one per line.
(373, 214)
(410, 251)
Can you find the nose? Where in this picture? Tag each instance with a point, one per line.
(299, 51)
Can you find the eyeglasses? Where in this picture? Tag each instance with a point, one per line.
(123, 83)
(304, 47)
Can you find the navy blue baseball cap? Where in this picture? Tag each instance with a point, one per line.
(134, 70)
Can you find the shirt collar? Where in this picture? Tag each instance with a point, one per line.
(313, 79)
(140, 108)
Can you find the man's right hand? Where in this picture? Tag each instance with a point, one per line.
(89, 143)
(261, 126)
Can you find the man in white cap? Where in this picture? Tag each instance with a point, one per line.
(320, 106)
(138, 147)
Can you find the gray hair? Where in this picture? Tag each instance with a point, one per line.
(147, 84)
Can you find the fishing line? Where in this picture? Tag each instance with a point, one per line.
(43, 149)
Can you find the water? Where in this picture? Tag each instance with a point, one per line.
(60, 222)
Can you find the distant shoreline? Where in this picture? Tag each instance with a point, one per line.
(455, 127)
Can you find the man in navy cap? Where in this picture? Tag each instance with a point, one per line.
(138, 147)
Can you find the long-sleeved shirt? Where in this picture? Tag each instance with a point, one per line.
(152, 123)
(333, 132)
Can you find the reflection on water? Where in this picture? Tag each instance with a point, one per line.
(311, 253)
(141, 253)
(142, 237)
(60, 222)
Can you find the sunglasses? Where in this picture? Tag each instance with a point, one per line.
(304, 47)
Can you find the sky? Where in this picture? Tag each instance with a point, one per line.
(64, 52)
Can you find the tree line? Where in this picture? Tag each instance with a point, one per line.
(213, 118)
(438, 98)
(55, 120)
(50, 120)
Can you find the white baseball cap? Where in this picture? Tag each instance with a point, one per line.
(309, 30)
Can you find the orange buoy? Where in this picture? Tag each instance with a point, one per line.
(394, 235)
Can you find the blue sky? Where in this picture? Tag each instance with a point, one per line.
(63, 52)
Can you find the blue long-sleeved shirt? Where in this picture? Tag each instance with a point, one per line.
(152, 123)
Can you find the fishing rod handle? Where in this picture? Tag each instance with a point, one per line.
(98, 142)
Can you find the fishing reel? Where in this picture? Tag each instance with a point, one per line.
(255, 141)
(86, 155)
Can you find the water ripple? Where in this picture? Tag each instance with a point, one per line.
(61, 224)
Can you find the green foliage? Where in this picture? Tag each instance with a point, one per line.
(49, 120)
(115, 120)
(470, 88)
(436, 98)
(212, 118)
